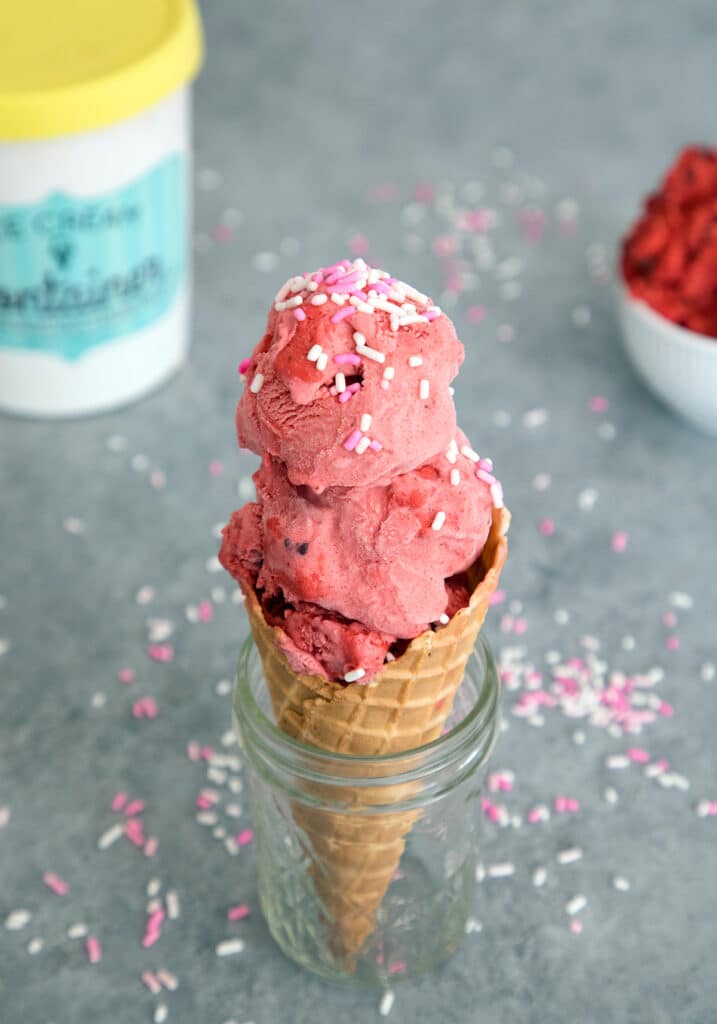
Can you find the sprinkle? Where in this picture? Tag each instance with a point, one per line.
(569, 856)
(341, 314)
(444, 619)
(359, 339)
(376, 446)
(470, 453)
(319, 300)
(672, 643)
(245, 837)
(386, 1004)
(94, 949)
(455, 477)
(340, 383)
(472, 925)
(346, 396)
(547, 527)
(576, 904)
(352, 440)
(363, 445)
(151, 982)
(598, 403)
(160, 1014)
(55, 883)
(373, 354)
(347, 357)
(239, 912)
(35, 946)
(151, 846)
(621, 883)
(299, 314)
(109, 837)
(256, 384)
(617, 761)
(126, 675)
(708, 671)
(17, 919)
(611, 795)
(120, 799)
(77, 931)
(679, 600)
(230, 947)
(539, 877)
(169, 980)
(389, 373)
(135, 807)
(576, 927)
(496, 493)
(502, 870)
(322, 362)
(365, 422)
(534, 418)
(415, 361)
(354, 675)
(173, 908)
(619, 541)
(313, 354)
(424, 389)
(438, 521)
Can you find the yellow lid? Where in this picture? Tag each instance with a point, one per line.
(72, 65)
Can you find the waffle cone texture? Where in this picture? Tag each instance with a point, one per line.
(353, 856)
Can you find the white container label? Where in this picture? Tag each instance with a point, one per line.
(77, 272)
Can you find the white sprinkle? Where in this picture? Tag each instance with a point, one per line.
(570, 855)
(579, 738)
(470, 453)
(354, 675)
(319, 300)
(110, 836)
(362, 445)
(74, 525)
(386, 1004)
(680, 600)
(587, 499)
(340, 382)
(265, 262)
(607, 431)
(116, 443)
(444, 619)
(322, 362)
(502, 870)
(371, 353)
(611, 795)
(337, 299)
(480, 871)
(708, 672)
(455, 477)
(621, 883)
(359, 338)
(35, 945)
(149, 979)
(502, 418)
(365, 423)
(173, 907)
(231, 846)
(390, 657)
(617, 761)
(17, 920)
(207, 818)
(576, 904)
(438, 521)
(652, 771)
(256, 384)
(539, 877)
(169, 980)
(229, 947)
(415, 361)
(628, 643)
(77, 931)
(233, 810)
(139, 463)
(236, 785)
(160, 1014)
(389, 373)
(424, 389)
(223, 688)
(313, 354)
(98, 700)
(472, 925)
(534, 418)
(153, 887)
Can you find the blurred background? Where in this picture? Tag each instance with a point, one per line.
(492, 155)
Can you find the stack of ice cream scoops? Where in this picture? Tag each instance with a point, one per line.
(370, 556)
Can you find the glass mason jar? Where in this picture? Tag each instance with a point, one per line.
(367, 864)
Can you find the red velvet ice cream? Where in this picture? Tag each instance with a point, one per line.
(371, 504)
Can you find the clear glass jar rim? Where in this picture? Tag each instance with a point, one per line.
(477, 726)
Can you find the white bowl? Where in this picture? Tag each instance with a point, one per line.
(678, 365)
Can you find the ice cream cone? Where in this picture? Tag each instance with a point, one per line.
(354, 857)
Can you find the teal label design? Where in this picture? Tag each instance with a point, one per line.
(77, 272)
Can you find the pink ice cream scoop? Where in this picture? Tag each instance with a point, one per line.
(371, 504)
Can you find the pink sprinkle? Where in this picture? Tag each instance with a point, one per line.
(669, 619)
(547, 527)
(205, 611)
(353, 439)
(663, 764)
(444, 245)
(432, 314)
(424, 192)
(239, 912)
(638, 755)
(216, 467)
(478, 220)
(353, 388)
(126, 675)
(135, 835)
(132, 810)
(206, 753)
(146, 707)
(244, 365)
(160, 652)
(151, 982)
(299, 314)
(223, 233)
(397, 968)
(598, 403)
(193, 750)
(347, 357)
(318, 276)
(576, 926)
(151, 846)
(619, 541)
(154, 921)
(486, 477)
(566, 805)
(672, 643)
(94, 949)
(58, 885)
(475, 314)
(358, 245)
(534, 816)
(346, 396)
(245, 837)
(665, 710)
(497, 597)
(203, 802)
(520, 626)
(119, 801)
(375, 446)
(342, 314)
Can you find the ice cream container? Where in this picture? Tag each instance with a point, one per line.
(95, 211)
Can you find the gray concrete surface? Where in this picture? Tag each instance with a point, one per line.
(302, 111)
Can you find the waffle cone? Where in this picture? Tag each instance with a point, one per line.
(353, 856)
